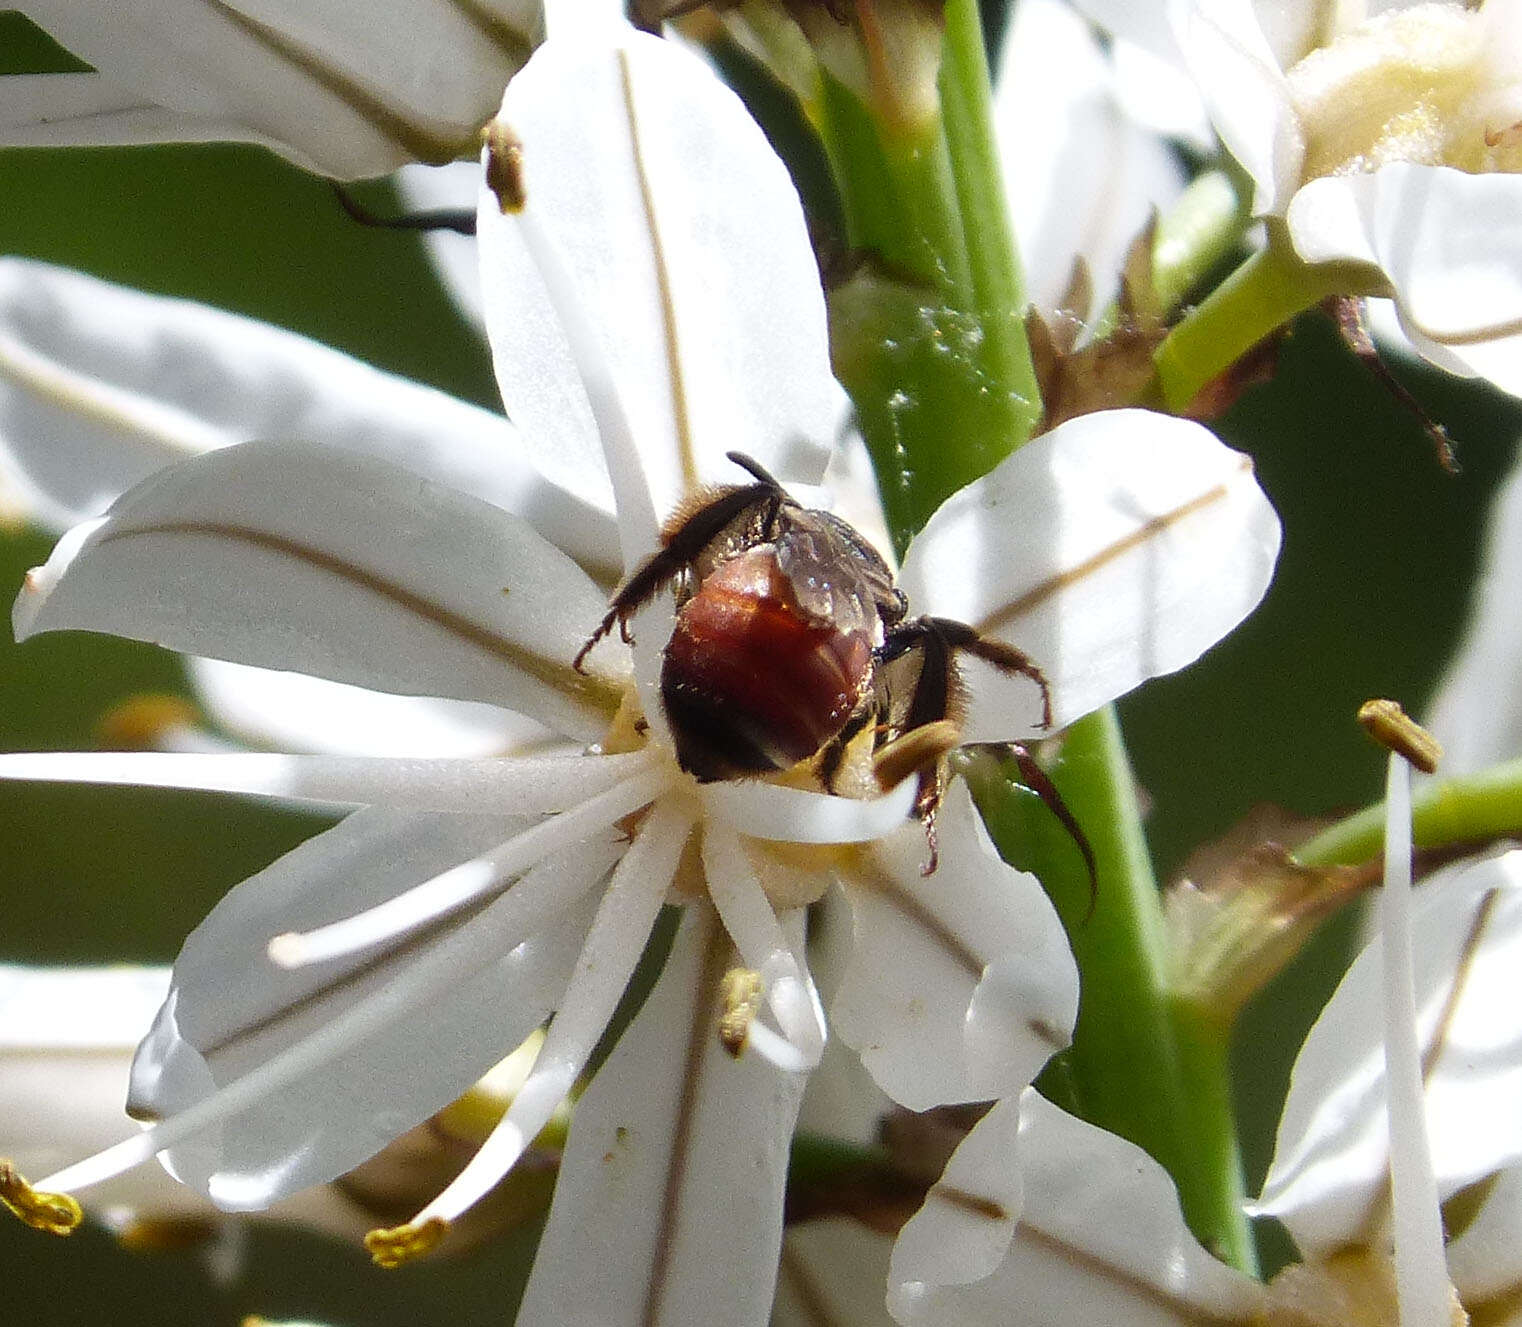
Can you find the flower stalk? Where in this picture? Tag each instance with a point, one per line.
(929, 337)
(1261, 296)
(1143, 1064)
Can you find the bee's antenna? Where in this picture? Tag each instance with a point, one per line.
(754, 468)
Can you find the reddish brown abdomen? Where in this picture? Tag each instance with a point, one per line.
(750, 682)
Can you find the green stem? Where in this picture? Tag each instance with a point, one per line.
(1131, 1068)
(1196, 234)
(1208, 1121)
(1472, 808)
(997, 282)
(1261, 296)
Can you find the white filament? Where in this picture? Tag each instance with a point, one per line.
(1421, 1272)
(747, 915)
(503, 924)
(608, 958)
(461, 885)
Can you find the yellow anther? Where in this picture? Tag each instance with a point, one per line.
(1395, 730)
(139, 723)
(55, 1213)
(398, 1244)
(740, 991)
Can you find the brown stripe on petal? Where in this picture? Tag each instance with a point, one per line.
(513, 41)
(687, 456)
(1000, 618)
(436, 149)
(717, 956)
(1133, 1286)
(875, 878)
(590, 691)
(975, 1203)
(1462, 971)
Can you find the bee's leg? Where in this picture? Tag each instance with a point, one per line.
(1006, 658)
(835, 749)
(929, 730)
(683, 546)
(927, 802)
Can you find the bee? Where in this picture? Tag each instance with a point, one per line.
(794, 647)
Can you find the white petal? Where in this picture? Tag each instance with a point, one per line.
(66, 1042)
(491, 977)
(834, 1270)
(619, 933)
(963, 1231)
(101, 385)
(1245, 91)
(293, 712)
(1485, 1259)
(293, 556)
(1478, 711)
(795, 815)
(669, 1205)
(663, 198)
(337, 88)
(1329, 1171)
(1118, 547)
(1451, 246)
(1084, 187)
(63, 110)
(524, 785)
(961, 984)
(1100, 1238)
(450, 188)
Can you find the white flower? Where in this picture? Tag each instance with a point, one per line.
(1389, 143)
(436, 927)
(1089, 1228)
(1477, 713)
(1081, 174)
(346, 90)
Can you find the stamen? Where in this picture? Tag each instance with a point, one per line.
(1395, 730)
(740, 992)
(1421, 1273)
(747, 915)
(392, 1246)
(638, 523)
(504, 923)
(55, 1213)
(608, 958)
(426, 903)
(527, 785)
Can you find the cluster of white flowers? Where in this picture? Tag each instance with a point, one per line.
(396, 592)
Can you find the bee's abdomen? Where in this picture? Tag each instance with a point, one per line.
(750, 682)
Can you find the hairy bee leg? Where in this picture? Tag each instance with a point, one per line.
(927, 804)
(1006, 658)
(685, 544)
(835, 749)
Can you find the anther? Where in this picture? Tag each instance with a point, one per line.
(145, 722)
(504, 166)
(1396, 731)
(393, 1246)
(740, 991)
(56, 1213)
